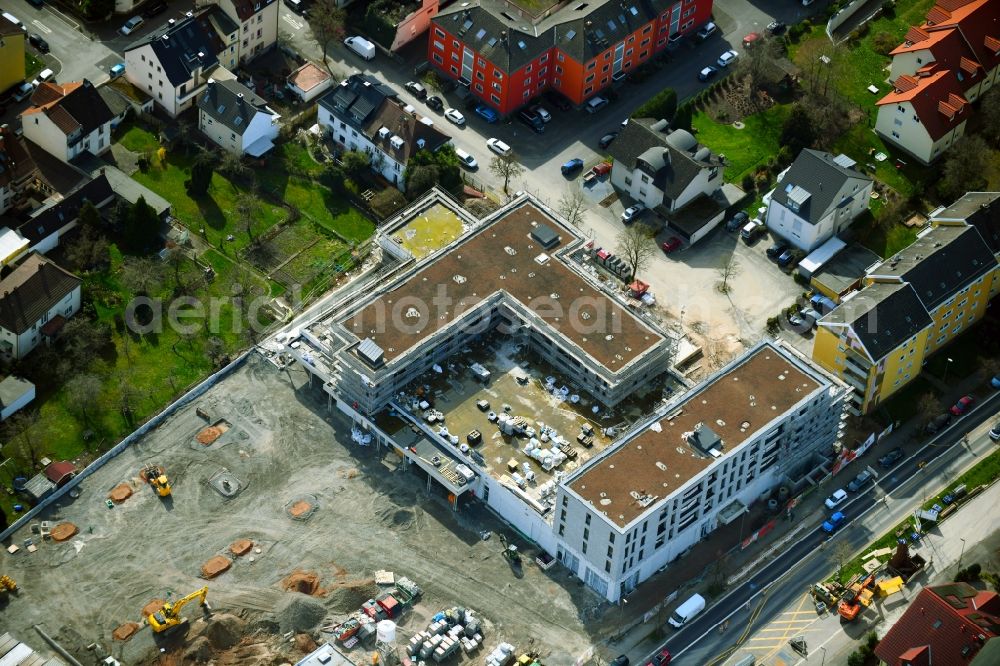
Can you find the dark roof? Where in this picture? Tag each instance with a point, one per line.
(218, 24)
(635, 138)
(824, 178)
(357, 98)
(58, 471)
(245, 8)
(98, 191)
(415, 134)
(979, 209)
(31, 290)
(949, 621)
(480, 25)
(114, 100)
(939, 263)
(15, 161)
(846, 268)
(671, 159)
(71, 107)
(178, 46)
(232, 104)
(58, 175)
(882, 316)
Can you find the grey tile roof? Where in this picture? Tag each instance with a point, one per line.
(672, 160)
(940, 262)
(415, 134)
(178, 46)
(357, 98)
(883, 316)
(115, 101)
(31, 290)
(828, 183)
(481, 24)
(231, 103)
(57, 215)
(979, 209)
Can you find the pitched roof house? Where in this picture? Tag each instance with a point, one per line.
(924, 114)
(16, 168)
(257, 23)
(946, 625)
(68, 119)
(816, 198)
(36, 299)
(362, 113)
(48, 224)
(236, 119)
(978, 209)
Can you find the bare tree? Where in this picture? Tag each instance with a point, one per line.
(19, 428)
(572, 205)
(83, 391)
(929, 406)
(635, 245)
(141, 275)
(232, 165)
(841, 553)
(759, 65)
(248, 209)
(728, 271)
(215, 349)
(327, 23)
(506, 167)
(127, 396)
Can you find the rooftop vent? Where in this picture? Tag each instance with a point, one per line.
(396, 142)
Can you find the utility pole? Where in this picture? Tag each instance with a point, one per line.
(961, 553)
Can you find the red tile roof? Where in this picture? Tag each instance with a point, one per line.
(947, 623)
(937, 100)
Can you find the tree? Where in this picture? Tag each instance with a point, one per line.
(421, 179)
(83, 340)
(760, 64)
(142, 228)
(88, 250)
(841, 553)
(634, 245)
(335, 178)
(248, 208)
(798, 132)
(387, 202)
(18, 428)
(356, 164)
(141, 275)
(97, 9)
(201, 174)
(728, 271)
(232, 165)
(327, 23)
(965, 167)
(682, 118)
(829, 120)
(989, 115)
(660, 106)
(127, 396)
(83, 391)
(507, 168)
(215, 349)
(572, 206)
(883, 43)
(88, 216)
(929, 406)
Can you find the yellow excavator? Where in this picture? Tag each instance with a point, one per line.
(156, 477)
(170, 615)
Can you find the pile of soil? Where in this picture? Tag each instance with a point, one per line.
(347, 596)
(306, 582)
(198, 651)
(224, 630)
(152, 607)
(215, 566)
(63, 531)
(299, 614)
(304, 644)
(208, 435)
(241, 547)
(299, 508)
(120, 493)
(125, 631)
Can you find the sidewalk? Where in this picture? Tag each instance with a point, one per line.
(720, 550)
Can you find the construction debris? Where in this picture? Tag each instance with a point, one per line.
(215, 566)
(63, 531)
(306, 582)
(120, 493)
(241, 547)
(125, 631)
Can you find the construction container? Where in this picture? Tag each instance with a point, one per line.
(389, 604)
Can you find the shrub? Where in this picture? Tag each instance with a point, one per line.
(747, 183)
(773, 325)
(969, 574)
(883, 43)
(662, 105)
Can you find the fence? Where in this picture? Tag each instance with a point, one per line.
(141, 431)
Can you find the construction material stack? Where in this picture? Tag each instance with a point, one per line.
(503, 655)
(448, 631)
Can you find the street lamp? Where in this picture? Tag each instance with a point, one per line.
(946, 366)
(822, 663)
(961, 553)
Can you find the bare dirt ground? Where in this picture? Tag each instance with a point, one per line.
(282, 449)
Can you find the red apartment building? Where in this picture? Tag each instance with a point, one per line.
(506, 56)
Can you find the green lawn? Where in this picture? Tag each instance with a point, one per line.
(745, 149)
(883, 242)
(32, 66)
(135, 138)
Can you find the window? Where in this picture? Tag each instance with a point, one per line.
(527, 81)
(455, 44)
(589, 78)
(527, 94)
(527, 70)
(143, 57)
(497, 87)
(482, 63)
(607, 566)
(479, 88)
(543, 71)
(438, 45)
(439, 33)
(496, 100)
(480, 76)
(562, 530)
(438, 59)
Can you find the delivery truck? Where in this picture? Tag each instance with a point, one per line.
(361, 46)
(687, 610)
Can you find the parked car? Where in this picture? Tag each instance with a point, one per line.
(776, 28)
(787, 258)
(43, 76)
(727, 58)
(36, 40)
(117, 70)
(737, 221)
(131, 25)
(632, 213)
(23, 92)
(858, 482)
(671, 244)
(749, 39)
(434, 103)
(752, 230)
(707, 73)
(838, 497)
(962, 406)
(417, 89)
(995, 432)
(487, 113)
(620, 660)
(159, 7)
(595, 104)
(995, 382)
(572, 166)
(776, 250)
(606, 140)
(811, 313)
(532, 120)
(833, 523)
(558, 101)
(891, 458)
(455, 116)
(498, 146)
(542, 113)
(661, 658)
(938, 423)
(706, 31)
(467, 160)
(361, 46)
(297, 6)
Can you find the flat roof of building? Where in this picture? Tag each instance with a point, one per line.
(502, 255)
(845, 269)
(734, 405)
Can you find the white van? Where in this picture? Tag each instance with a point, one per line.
(361, 46)
(595, 104)
(687, 610)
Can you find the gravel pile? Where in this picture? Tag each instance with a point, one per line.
(300, 614)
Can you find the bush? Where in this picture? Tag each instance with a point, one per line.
(662, 105)
(773, 325)
(969, 574)
(748, 183)
(883, 43)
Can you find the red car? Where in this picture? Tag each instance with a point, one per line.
(962, 406)
(750, 39)
(661, 658)
(671, 244)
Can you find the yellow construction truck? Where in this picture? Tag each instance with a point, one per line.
(156, 477)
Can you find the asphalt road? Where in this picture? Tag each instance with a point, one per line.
(783, 580)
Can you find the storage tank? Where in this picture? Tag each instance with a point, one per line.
(385, 631)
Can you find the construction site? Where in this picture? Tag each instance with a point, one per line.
(249, 528)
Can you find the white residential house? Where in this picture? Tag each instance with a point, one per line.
(364, 114)
(236, 119)
(16, 168)
(257, 21)
(816, 198)
(36, 300)
(173, 63)
(67, 119)
(309, 82)
(662, 168)
(924, 114)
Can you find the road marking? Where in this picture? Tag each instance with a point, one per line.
(292, 22)
(41, 26)
(62, 17)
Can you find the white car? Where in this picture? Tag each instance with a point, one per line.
(727, 58)
(131, 25)
(455, 116)
(836, 498)
(467, 160)
(706, 31)
(498, 146)
(542, 113)
(632, 212)
(43, 76)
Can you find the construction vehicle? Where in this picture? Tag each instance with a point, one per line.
(856, 597)
(156, 477)
(510, 552)
(7, 585)
(169, 616)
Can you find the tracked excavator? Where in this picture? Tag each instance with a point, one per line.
(169, 616)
